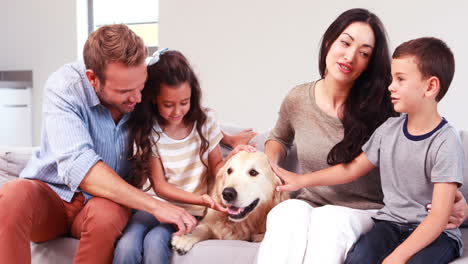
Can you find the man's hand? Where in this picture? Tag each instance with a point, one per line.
(168, 213)
(459, 211)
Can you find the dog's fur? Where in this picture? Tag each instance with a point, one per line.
(251, 176)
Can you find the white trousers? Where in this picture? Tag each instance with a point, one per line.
(299, 233)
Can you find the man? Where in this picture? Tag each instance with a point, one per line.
(76, 182)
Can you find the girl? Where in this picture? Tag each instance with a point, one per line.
(176, 143)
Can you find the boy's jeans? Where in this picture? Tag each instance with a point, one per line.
(145, 240)
(384, 237)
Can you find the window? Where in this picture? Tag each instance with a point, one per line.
(142, 16)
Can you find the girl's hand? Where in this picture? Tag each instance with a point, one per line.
(242, 138)
(209, 202)
(247, 148)
(459, 211)
(291, 180)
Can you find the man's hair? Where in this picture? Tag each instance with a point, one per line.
(112, 43)
(433, 57)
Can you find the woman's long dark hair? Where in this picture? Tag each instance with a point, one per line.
(172, 69)
(368, 103)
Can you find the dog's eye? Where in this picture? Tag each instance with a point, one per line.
(229, 170)
(253, 172)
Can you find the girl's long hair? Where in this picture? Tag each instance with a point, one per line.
(172, 69)
(368, 104)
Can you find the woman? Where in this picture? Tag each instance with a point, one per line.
(329, 120)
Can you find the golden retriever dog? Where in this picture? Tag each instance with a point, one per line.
(246, 185)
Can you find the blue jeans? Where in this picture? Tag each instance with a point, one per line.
(374, 246)
(145, 240)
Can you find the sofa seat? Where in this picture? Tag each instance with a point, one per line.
(61, 250)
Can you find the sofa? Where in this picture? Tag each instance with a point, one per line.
(61, 250)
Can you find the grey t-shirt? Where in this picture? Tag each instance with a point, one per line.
(410, 165)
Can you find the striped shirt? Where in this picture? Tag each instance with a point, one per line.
(181, 160)
(77, 132)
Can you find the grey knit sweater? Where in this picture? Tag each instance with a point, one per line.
(314, 133)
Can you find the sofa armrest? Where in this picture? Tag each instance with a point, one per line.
(13, 160)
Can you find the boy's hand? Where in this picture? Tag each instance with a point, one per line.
(391, 259)
(209, 202)
(291, 180)
(459, 211)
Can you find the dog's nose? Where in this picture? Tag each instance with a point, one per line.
(229, 194)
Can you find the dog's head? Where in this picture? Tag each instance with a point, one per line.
(245, 183)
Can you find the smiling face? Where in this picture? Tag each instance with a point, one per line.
(174, 102)
(350, 53)
(408, 86)
(122, 88)
(248, 182)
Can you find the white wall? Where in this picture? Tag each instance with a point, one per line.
(38, 36)
(249, 53)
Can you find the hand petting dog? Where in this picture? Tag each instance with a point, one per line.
(290, 181)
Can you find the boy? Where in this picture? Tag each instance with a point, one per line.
(420, 158)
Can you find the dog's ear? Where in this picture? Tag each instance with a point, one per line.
(278, 196)
(276, 179)
(219, 180)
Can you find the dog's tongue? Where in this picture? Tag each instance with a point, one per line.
(234, 210)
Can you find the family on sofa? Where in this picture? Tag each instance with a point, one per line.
(113, 123)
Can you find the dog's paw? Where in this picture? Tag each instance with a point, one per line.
(182, 244)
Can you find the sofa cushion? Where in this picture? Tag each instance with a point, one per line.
(219, 251)
(464, 187)
(464, 139)
(59, 250)
(62, 250)
(12, 162)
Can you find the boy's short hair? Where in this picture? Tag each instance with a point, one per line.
(434, 58)
(113, 43)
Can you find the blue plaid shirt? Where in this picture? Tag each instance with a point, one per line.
(77, 132)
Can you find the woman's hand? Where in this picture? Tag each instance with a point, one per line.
(291, 181)
(209, 202)
(459, 211)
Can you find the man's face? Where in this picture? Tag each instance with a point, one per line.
(122, 88)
